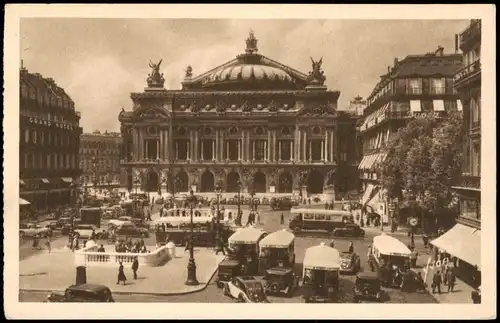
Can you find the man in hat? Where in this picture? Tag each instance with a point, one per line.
(121, 275)
(135, 267)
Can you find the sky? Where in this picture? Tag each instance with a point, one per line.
(99, 62)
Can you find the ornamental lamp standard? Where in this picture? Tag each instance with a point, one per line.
(191, 267)
(239, 201)
(74, 192)
(218, 246)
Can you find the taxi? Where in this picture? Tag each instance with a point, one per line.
(246, 289)
(320, 276)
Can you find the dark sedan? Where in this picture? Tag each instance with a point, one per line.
(349, 230)
(85, 293)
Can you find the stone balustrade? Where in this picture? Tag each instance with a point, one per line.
(89, 256)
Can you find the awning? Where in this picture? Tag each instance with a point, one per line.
(438, 105)
(367, 194)
(122, 190)
(381, 113)
(462, 242)
(23, 202)
(44, 180)
(362, 163)
(415, 106)
(371, 161)
(374, 203)
(67, 179)
(459, 105)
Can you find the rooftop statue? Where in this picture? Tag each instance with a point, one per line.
(317, 76)
(189, 72)
(155, 79)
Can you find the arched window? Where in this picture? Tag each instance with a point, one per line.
(26, 136)
(33, 135)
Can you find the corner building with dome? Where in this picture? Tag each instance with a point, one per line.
(252, 125)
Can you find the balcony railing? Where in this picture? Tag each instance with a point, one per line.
(470, 181)
(471, 32)
(468, 71)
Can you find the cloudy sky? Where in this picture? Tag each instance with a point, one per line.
(100, 61)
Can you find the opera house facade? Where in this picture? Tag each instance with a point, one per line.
(251, 124)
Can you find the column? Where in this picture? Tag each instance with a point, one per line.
(291, 150)
(188, 146)
(176, 150)
(243, 146)
(274, 140)
(279, 150)
(253, 150)
(135, 145)
(265, 151)
(322, 150)
(327, 146)
(139, 145)
(166, 145)
(296, 149)
(145, 154)
(268, 145)
(157, 149)
(160, 149)
(332, 145)
(309, 144)
(213, 150)
(201, 152)
(304, 147)
(239, 149)
(227, 149)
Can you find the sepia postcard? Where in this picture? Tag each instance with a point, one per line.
(243, 161)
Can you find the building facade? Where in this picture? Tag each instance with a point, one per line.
(468, 227)
(100, 159)
(251, 124)
(49, 141)
(417, 84)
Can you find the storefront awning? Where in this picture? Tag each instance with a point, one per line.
(363, 162)
(367, 194)
(462, 242)
(44, 180)
(438, 105)
(371, 161)
(23, 202)
(67, 179)
(415, 106)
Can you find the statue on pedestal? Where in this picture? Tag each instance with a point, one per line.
(189, 72)
(155, 79)
(317, 77)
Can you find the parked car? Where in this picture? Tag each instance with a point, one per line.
(281, 280)
(31, 230)
(246, 289)
(131, 230)
(349, 230)
(367, 288)
(350, 263)
(86, 293)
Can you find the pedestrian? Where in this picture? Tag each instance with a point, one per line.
(326, 205)
(101, 248)
(221, 245)
(436, 282)
(75, 243)
(92, 235)
(47, 243)
(135, 266)
(351, 247)
(451, 280)
(258, 217)
(35, 242)
(425, 239)
(413, 258)
(187, 243)
(282, 218)
(121, 275)
(332, 244)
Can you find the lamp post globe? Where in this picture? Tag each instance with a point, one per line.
(191, 267)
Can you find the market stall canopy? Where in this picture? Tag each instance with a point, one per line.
(322, 257)
(462, 242)
(390, 246)
(279, 239)
(23, 202)
(247, 235)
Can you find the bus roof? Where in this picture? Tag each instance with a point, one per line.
(390, 246)
(278, 239)
(322, 257)
(247, 235)
(320, 211)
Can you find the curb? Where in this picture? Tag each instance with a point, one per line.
(202, 288)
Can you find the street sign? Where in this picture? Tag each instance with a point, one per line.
(413, 222)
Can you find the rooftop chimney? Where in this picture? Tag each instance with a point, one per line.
(456, 43)
(396, 61)
(388, 69)
(439, 51)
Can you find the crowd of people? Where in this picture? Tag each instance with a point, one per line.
(131, 247)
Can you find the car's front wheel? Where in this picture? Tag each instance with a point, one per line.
(241, 299)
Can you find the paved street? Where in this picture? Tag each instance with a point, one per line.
(271, 222)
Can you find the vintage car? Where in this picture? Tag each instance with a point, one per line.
(367, 288)
(31, 230)
(350, 262)
(320, 277)
(349, 230)
(243, 254)
(131, 230)
(281, 280)
(389, 257)
(84, 231)
(86, 293)
(281, 204)
(246, 289)
(121, 220)
(277, 250)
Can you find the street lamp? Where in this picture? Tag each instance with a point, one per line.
(217, 229)
(94, 170)
(191, 267)
(136, 183)
(109, 182)
(239, 192)
(74, 192)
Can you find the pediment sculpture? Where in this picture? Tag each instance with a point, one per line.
(220, 106)
(273, 106)
(155, 78)
(246, 107)
(151, 114)
(195, 108)
(316, 76)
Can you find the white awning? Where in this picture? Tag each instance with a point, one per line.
(381, 114)
(23, 202)
(363, 162)
(67, 179)
(459, 105)
(44, 180)
(462, 242)
(367, 194)
(415, 106)
(438, 105)
(371, 161)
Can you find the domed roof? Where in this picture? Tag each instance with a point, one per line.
(249, 72)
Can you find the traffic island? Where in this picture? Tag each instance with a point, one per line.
(56, 271)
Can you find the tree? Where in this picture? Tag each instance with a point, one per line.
(423, 161)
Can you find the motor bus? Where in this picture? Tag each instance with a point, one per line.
(318, 219)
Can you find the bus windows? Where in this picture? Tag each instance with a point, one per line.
(319, 217)
(308, 216)
(328, 217)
